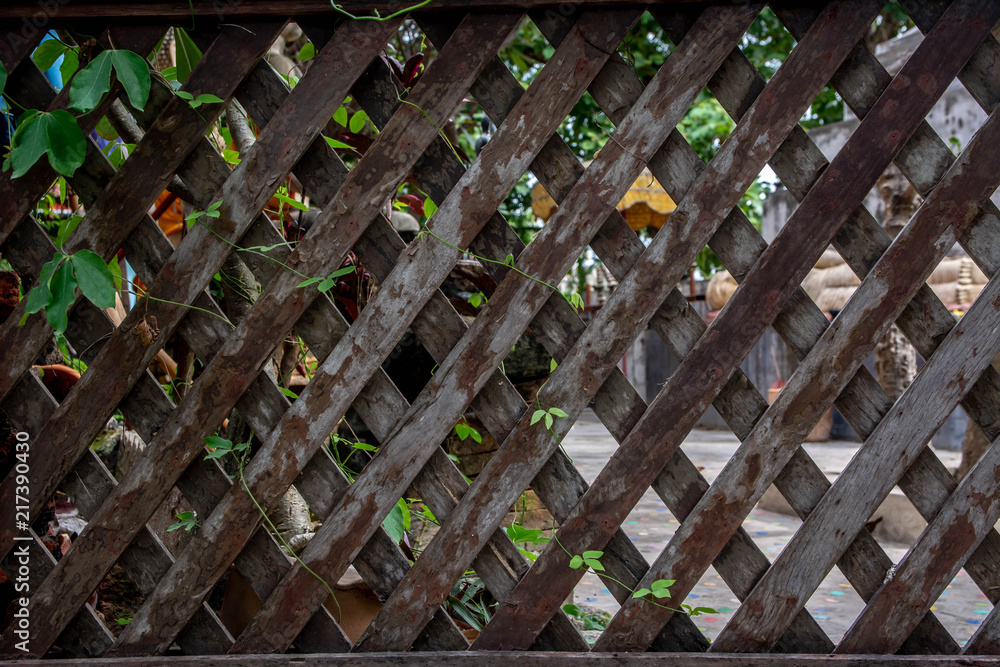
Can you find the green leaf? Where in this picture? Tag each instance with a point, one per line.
(215, 442)
(30, 143)
(306, 52)
(364, 446)
(70, 64)
(311, 281)
(66, 144)
(231, 156)
(661, 593)
(205, 98)
(94, 277)
(596, 564)
(340, 116)
(532, 557)
(358, 121)
(394, 524)
(54, 133)
(509, 260)
(548, 420)
(105, 130)
(536, 415)
(188, 55)
(553, 364)
(593, 554)
(476, 299)
(116, 272)
(169, 74)
(47, 53)
(91, 83)
(217, 454)
(571, 609)
(63, 288)
(662, 583)
(639, 593)
(293, 203)
(342, 271)
(430, 208)
(557, 412)
(289, 393)
(184, 95)
(576, 562)
(404, 508)
(334, 144)
(39, 296)
(327, 284)
(66, 228)
(132, 71)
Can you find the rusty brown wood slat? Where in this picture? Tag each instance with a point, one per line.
(31, 336)
(289, 158)
(86, 637)
(926, 321)
(263, 416)
(740, 404)
(146, 559)
(559, 485)
(967, 185)
(584, 53)
(399, 434)
(573, 400)
(435, 105)
(683, 560)
(31, 89)
(139, 412)
(459, 550)
(543, 659)
(931, 563)
(133, 189)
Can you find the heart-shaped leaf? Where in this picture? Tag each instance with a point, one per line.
(576, 562)
(90, 83)
(133, 73)
(94, 277)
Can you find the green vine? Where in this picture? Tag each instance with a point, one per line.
(377, 16)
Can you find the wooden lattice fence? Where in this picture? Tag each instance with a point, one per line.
(172, 152)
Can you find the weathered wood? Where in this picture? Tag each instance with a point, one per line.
(32, 90)
(716, 210)
(871, 306)
(180, 127)
(541, 659)
(931, 563)
(680, 556)
(430, 96)
(325, 391)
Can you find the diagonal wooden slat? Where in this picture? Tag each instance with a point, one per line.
(408, 436)
(932, 562)
(616, 392)
(134, 189)
(585, 58)
(104, 242)
(189, 286)
(739, 246)
(435, 99)
(922, 245)
(733, 491)
(701, 220)
(18, 196)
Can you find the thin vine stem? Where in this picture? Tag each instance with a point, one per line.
(252, 251)
(140, 292)
(285, 544)
(495, 261)
(605, 575)
(377, 17)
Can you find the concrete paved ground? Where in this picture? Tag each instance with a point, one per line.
(650, 525)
